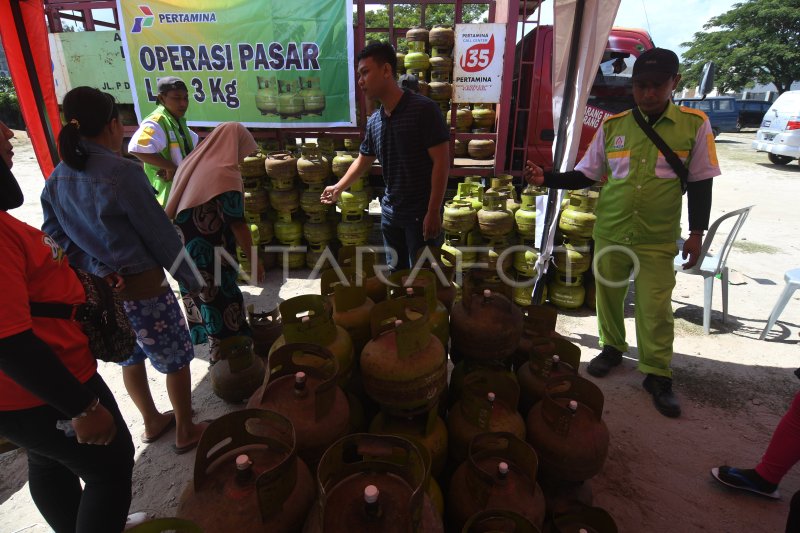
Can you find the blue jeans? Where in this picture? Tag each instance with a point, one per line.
(57, 463)
(403, 241)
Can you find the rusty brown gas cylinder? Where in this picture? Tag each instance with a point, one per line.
(305, 392)
(247, 476)
(568, 431)
(422, 284)
(464, 368)
(266, 328)
(499, 473)
(351, 306)
(584, 518)
(404, 366)
(281, 165)
(443, 264)
(537, 321)
(373, 484)
(485, 324)
(364, 259)
(499, 521)
(238, 372)
(307, 318)
(427, 430)
(488, 404)
(558, 357)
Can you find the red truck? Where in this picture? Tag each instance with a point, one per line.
(611, 93)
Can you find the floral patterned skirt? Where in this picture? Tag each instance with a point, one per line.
(161, 333)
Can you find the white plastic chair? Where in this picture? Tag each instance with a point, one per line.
(710, 266)
(792, 279)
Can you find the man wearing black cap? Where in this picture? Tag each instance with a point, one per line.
(163, 139)
(638, 217)
(409, 82)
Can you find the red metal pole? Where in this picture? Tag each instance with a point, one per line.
(88, 19)
(508, 13)
(360, 37)
(392, 39)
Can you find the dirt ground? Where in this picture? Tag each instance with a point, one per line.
(734, 388)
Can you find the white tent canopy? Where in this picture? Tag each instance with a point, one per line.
(581, 29)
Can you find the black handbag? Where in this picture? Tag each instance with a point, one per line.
(102, 318)
(671, 157)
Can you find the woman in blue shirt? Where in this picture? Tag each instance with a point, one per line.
(100, 209)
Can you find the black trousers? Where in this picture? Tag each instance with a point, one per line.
(57, 463)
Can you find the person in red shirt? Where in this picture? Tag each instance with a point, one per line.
(53, 402)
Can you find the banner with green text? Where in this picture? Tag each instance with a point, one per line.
(266, 64)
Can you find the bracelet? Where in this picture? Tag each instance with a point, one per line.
(696, 233)
(88, 410)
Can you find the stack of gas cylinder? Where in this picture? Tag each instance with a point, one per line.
(522, 437)
(496, 223)
(319, 228)
(483, 121)
(355, 225)
(256, 208)
(459, 233)
(478, 120)
(573, 259)
(284, 196)
(430, 59)
(526, 256)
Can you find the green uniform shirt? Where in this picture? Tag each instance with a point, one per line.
(641, 201)
(163, 134)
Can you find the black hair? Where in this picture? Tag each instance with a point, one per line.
(381, 53)
(10, 193)
(87, 111)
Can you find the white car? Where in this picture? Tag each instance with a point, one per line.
(779, 134)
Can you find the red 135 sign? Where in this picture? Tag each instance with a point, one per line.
(478, 56)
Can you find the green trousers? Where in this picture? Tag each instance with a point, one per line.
(652, 266)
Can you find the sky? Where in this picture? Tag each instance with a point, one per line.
(670, 22)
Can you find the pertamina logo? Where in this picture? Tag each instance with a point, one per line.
(478, 56)
(146, 21)
(143, 22)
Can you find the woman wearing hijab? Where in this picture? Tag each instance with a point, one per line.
(49, 379)
(100, 208)
(207, 205)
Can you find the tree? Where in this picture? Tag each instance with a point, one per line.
(756, 41)
(9, 106)
(408, 16)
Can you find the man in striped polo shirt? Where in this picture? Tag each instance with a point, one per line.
(410, 139)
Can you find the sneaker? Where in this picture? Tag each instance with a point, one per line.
(136, 519)
(601, 365)
(663, 398)
(748, 480)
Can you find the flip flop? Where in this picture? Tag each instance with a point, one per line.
(164, 430)
(183, 449)
(180, 450)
